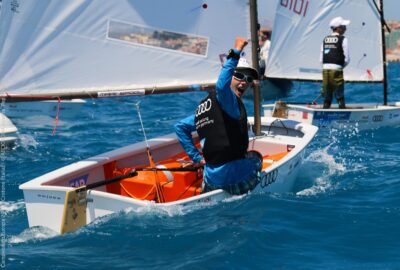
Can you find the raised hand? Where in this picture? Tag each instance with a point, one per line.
(240, 43)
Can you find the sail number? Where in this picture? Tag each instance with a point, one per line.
(297, 6)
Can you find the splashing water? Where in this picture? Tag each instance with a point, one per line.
(33, 234)
(9, 207)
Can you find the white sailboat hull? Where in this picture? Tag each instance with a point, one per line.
(8, 131)
(45, 195)
(68, 108)
(359, 116)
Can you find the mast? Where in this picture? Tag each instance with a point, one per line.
(254, 53)
(385, 85)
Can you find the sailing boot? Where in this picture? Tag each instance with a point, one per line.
(341, 103)
(327, 104)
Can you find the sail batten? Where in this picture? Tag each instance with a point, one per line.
(72, 47)
(300, 27)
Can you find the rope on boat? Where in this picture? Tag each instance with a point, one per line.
(253, 139)
(283, 125)
(314, 102)
(57, 114)
(160, 194)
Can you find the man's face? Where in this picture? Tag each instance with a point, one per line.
(240, 82)
(342, 29)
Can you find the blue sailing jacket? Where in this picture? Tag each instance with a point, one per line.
(231, 172)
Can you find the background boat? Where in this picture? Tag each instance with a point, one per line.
(272, 88)
(8, 132)
(69, 109)
(296, 51)
(9, 62)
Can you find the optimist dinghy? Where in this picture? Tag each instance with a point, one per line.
(295, 53)
(75, 195)
(359, 116)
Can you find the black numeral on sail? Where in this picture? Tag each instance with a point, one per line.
(297, 6)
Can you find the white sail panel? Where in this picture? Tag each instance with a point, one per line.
(300, 27)
(53, 46)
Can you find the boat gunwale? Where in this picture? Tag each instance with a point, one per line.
(98, 160)
(368, 107)
(156, 143)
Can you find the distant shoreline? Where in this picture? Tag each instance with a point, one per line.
(393, 42)
(391, 58)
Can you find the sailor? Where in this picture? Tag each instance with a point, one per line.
(265, 44)
(334, 57)
(221, 122)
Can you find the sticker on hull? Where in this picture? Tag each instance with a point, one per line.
(323, 119)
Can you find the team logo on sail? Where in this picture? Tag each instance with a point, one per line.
(204, 107)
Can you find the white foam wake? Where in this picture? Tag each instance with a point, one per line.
(32, 234)
(27, 141)
(9, 207)
(172, 210)
(326, 166)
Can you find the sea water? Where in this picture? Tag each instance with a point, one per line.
(343, 214)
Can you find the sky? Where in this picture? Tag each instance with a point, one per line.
(267, 9)
(391, 9)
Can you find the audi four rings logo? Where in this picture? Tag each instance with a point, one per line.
(331, 39)
(269, 178)
(204, 107)
(377, 118)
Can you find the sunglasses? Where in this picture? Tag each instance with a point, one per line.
(241, 77)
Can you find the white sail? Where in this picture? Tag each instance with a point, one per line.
(301, 25)
(57, 46)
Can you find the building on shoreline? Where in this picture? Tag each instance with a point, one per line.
(393, 41)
